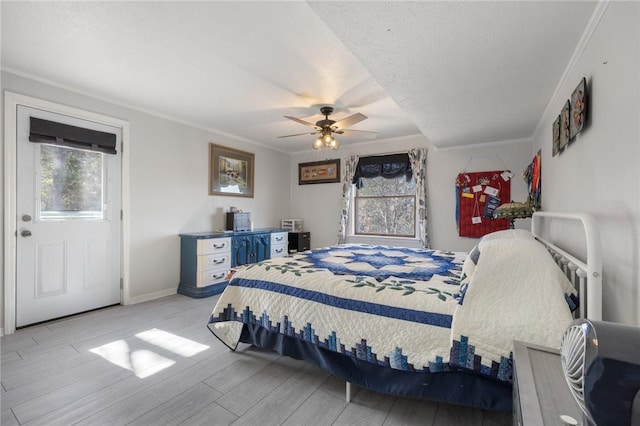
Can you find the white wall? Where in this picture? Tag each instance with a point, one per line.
(318, 205)
(168, 187)
(598, 172)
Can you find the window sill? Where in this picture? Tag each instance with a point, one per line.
(381, 240)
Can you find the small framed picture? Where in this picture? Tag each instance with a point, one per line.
(319, 172)
(564, 124)
(578, 108)
(555, 132)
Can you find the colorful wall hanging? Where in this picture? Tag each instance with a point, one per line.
(533, 176)
(477, 196)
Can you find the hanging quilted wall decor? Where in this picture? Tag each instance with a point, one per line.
(533, 176)
(477, 196)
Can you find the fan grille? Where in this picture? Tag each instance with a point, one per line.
(573, 362)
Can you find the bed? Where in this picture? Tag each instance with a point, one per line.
(425, 324)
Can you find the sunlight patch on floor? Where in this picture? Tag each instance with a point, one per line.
(172, 342)
(144, 362)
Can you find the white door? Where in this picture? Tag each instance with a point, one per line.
(68, 224)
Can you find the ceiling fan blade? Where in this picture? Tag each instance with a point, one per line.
(298, 134)
(349, 121)
(359, 133)
(297, 120)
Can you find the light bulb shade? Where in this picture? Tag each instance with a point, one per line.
(325, 140)
(317, 144)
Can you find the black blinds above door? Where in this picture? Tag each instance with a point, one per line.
(387, 166)
(44, 131)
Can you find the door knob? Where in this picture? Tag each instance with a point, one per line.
(25, 233)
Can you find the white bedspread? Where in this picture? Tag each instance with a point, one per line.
(516, 292)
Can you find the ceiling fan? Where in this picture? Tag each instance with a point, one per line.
(326, 127)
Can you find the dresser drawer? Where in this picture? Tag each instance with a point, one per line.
(214, 245)
(279, 238)
(278, 251)
(212, 261)
(213, 276)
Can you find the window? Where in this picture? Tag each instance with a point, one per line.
(71, 175)
(386, 206)
(71, 183)
(385, 198)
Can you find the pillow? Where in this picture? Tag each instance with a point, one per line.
(521, 250)
(469, 264)
(509, 234)
(472, 259)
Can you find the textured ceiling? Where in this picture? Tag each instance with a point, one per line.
(460, 73)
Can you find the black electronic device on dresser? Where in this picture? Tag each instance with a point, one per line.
(299, 241)
(238, 221)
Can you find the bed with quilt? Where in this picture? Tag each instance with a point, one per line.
(419, 323)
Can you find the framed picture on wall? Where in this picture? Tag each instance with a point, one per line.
(578, 108)
(564, 124)
(327, 171)
(230, 171)
(555, 132)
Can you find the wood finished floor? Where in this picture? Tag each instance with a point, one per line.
(156, 363)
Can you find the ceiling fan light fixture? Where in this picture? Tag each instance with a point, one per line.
(325, 128)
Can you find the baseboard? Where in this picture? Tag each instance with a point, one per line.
(151, 296)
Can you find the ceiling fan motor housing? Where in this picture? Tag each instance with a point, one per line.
(326, 123)
(326, 110)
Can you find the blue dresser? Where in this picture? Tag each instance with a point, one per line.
(206, 257)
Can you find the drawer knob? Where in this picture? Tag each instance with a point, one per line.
(219, 246)
(217, 277)
(219, 261)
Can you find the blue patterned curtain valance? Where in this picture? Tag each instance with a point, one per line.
(387, 166)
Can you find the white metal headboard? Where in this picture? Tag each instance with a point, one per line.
(586, 277)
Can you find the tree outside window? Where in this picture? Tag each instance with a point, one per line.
(71, 183)
(386, 207)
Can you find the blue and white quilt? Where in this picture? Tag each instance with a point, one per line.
(391, 306)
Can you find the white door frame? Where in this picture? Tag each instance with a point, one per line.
(11, 102)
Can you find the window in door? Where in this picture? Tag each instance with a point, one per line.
(71, 184)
